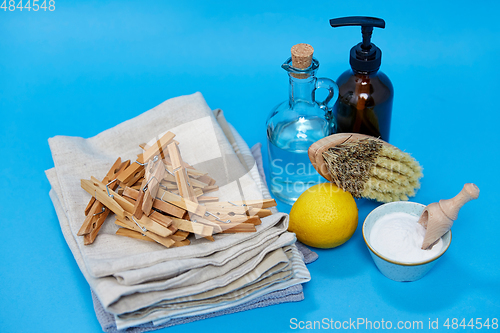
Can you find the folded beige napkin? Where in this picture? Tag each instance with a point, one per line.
(152, 295)
(290, 294)
(202, 144)
(141, 281)
(276, 262)
(240, 253)
(110, 290)
(292, 275)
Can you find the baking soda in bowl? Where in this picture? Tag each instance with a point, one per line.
(399, 237)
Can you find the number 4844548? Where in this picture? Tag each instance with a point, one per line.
(454, 323)
(29, 5)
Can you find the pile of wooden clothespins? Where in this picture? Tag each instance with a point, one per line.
(160, 198)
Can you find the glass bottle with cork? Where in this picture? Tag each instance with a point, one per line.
(296, 123)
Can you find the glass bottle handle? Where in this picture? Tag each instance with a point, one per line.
(333, 93)
(328, 103)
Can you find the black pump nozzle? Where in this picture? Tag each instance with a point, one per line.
(365, 56)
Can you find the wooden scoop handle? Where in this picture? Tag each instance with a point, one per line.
(452, 206)
(438, 218)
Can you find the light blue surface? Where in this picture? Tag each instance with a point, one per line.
(90, 65)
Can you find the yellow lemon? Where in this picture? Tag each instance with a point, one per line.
(324, 216)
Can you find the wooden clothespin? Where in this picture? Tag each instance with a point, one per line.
(96, 213)
(264, 203)
(131, 174)
(206, 179)
(168, 208)
(127, 223)
(139, 201)
(195, 183)
(110, 175)
(158, 204)
(155, 171)
(238, 227)
(94, 207)
(182, 243)
(102, 197)
(227, 219)
(180, 202)
(260, 212)
(210, 188)
(96, 223)
(202, 220)
(148, 224)
(157, 198)
(132, 234)
(169, 176)
(180, 173)
(205, 198)
(195, 228)
(180, 235)
(116, 197)
(224, 208)
(117, 169)
(158, 148)
(137, 235)
(161, 219)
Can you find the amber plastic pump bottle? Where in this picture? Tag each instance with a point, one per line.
(365, 93)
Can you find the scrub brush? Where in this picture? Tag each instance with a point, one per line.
(366, 167)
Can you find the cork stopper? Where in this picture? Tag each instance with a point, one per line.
(302, 55)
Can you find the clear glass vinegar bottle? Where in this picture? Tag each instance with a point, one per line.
(293, 126)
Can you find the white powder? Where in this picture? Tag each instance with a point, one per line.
(398, 236)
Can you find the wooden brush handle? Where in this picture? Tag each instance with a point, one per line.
(316, 150)
(452, 206)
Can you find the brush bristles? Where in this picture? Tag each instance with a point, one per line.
(368, 169)
(349, 164)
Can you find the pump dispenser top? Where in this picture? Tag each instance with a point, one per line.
(365, 56)
(365, 93)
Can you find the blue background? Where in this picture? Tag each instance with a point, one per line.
(90, 65)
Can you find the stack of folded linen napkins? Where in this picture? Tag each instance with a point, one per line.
(143, 285)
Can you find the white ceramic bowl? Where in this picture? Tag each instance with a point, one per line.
(393, 269)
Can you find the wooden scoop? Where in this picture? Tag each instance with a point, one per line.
(438, 217)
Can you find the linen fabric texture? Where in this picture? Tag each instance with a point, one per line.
(140, 286)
